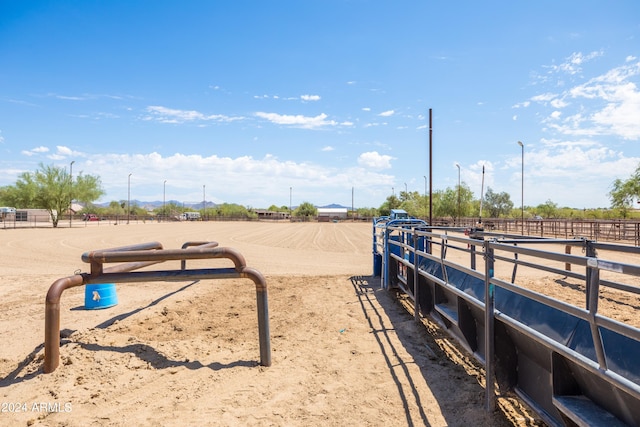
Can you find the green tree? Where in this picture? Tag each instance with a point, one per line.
(366, 212)
(305, 209)
(451, 203)
(497, 204)
(623, 193)
(51, 188)
(548, 209)
(232, 210)
(413, 203)
(392, 202)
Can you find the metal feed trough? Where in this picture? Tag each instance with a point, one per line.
(142, 255)
(571, 364)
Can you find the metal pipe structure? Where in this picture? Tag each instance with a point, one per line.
(144, 255)
(572, 364)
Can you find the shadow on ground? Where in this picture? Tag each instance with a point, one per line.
(459, 394)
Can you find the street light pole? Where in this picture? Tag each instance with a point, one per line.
(128, 198)
(164, 199)
(204, 198)
(522, 186)
(458, 166)
(70, 190)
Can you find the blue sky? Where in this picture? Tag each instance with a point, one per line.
(257, 102)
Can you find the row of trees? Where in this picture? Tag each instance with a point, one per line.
(53, 188)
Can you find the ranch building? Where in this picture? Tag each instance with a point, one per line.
(329, 214)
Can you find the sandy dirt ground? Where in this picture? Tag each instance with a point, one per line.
(344, 352)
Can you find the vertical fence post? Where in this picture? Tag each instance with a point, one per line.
(489, 327)
(416, 265)
(590, 252)
(473, 256)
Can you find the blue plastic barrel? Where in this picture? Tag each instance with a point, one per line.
(100, 295)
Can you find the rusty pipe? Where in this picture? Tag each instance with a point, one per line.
(262, 300)
(96, 263)
(203, 243)
(124, 274)
(52, 320)
(183, 263)
(196, 252)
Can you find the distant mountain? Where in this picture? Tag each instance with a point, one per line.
(196, 205)
(158, 204)
(334, 206)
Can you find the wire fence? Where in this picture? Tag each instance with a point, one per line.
(623, 231)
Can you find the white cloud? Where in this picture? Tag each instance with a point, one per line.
(605, 105)
(388, 113)
(305, 122)
(616, 102)
(34, 151)
(375, 160)
(524, 104)
(328, 148)
(310, 97)
(573, 63)
(64, 151)
(255, 182)
(544, 97)
(558, 103)
(175, 116)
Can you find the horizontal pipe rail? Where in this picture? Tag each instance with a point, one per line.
(144, 255)
(401, 251)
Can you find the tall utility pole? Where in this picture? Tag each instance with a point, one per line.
(164, 199)
(458, 166)
(522, 186)
(203, 201)
(128, 198)
(425, 195)
(430, 168)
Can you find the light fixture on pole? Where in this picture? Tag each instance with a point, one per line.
(164, 198)
(522, 187)
(458, 166)
(128, 198)
(70, 190)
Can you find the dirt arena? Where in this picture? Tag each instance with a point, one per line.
(344, 352)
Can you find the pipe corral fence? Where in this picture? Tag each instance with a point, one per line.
(570, 363)
(135, 257)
